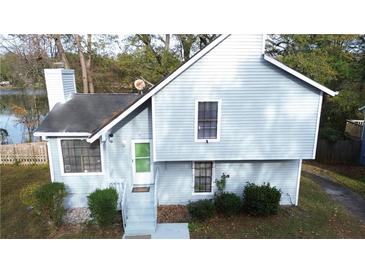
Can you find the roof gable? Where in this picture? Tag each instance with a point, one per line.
(159, 86)
(189, 63)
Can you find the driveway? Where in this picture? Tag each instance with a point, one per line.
(351, 200)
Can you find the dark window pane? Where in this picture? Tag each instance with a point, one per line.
(80, 156)
(203, 176)
(207, 120)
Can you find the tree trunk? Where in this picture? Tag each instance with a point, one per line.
(82, 63)
(61, 51)
(186, 44)
(88, 64)
(167, 42)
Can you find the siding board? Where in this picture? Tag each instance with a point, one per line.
(266, 112)
(176, 179)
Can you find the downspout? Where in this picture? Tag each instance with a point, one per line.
(362, 152)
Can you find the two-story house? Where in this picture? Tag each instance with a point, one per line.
(229, 109)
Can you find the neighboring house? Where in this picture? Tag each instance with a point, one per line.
(229, 109)
(362, 153)
(354, 129)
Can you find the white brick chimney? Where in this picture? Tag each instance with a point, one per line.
(60, 84)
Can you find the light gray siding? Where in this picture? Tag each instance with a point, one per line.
(266, 113)
(78, 186)
(119, 153)
(176, 179)
(117, 160)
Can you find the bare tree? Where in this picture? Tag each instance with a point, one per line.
(88, 63)
(82, 63)
(60, 49)
(29, 54)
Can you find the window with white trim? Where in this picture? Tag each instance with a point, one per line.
(207, 120)
(203, 177)
(79, 156)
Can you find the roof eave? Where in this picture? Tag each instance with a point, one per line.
(61, 134)
(299, 75)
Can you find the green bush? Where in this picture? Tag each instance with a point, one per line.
(261, 200)
(49, 202)
(201, 210)
(227, 203)
(103, 206)
(28, 194)
(221, 183)
(330, 134)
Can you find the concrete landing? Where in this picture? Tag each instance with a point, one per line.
(171, 231)
(165, 231)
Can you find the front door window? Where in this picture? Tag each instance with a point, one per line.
(143, 163)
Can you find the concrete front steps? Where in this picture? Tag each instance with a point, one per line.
(140, 219)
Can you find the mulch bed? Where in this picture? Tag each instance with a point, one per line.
(173, 214)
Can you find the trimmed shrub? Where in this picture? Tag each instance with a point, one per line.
(49, 202)
(28, 194)
(227, 203)
(103, 206)
(261, 200)
(201, 210)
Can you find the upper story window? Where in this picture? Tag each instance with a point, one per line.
(79, 156)
(208, 113)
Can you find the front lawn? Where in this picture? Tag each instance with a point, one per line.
(351, 176)
(16, 221)
(317, 216)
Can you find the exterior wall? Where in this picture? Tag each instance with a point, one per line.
(267, 114)
(175, 185)
(117, 160)
(119, 153)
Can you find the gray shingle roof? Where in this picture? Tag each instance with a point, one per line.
(87, 112)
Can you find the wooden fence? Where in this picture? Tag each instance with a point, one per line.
(340, 152)
(24, 154)
(353, 129)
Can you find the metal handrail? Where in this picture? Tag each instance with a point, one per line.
(124, 204)
(155, 194)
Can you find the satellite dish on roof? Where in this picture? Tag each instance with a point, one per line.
(139, 84)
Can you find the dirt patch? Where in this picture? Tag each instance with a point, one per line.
(173, 214)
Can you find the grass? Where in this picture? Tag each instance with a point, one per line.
(17, 222)
(351, 176)
(317, 216)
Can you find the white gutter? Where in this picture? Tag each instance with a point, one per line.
(61, 134)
